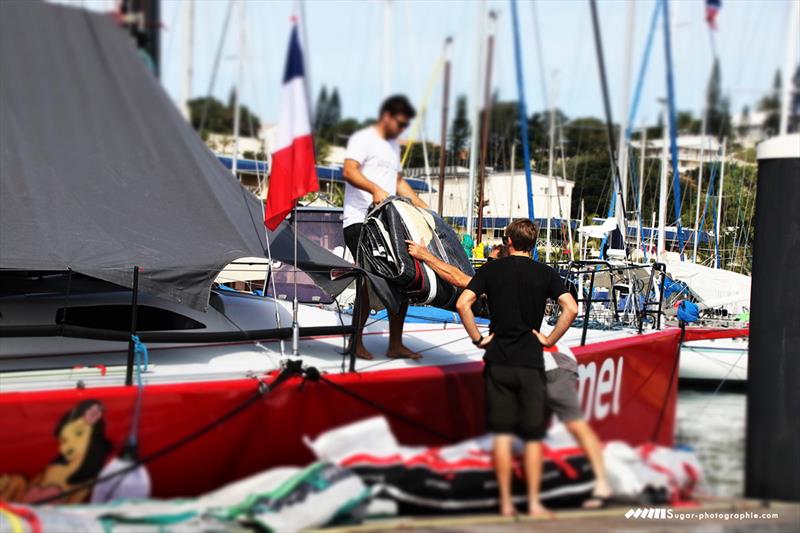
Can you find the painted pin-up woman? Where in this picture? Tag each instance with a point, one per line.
(83, 449)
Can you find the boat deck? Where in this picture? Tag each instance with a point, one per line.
(439, 344)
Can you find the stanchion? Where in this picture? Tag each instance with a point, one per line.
(134, 313)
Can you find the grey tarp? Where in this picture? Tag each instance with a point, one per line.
(99, 172)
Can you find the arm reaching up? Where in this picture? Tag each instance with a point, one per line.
(447, 272)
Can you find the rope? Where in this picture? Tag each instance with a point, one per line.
(312, 374)
(669, 386)
(260, 392)
(412, 138)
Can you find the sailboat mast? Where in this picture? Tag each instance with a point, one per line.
(511, 182)
(652, 227)
(424, 136)
(237, 98)
(640, 189)
(523, 113)
(582, 254)
(387, 47)
(673, 127)
(487, 110)
(445, 100)
(475, 119)
(662, 188)
(188, 58)
(720, 194)
(550, 182)
(788, 64)
(700, 182)
(622, 150)
(564, 177)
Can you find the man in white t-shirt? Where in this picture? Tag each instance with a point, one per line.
(372, 173)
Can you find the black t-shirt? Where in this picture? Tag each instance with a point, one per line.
(517, 288)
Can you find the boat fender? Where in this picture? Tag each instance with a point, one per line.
(688, 312)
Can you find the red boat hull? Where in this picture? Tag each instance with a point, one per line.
(628, 389)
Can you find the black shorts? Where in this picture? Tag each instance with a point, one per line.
(515, 400)
(351, 235)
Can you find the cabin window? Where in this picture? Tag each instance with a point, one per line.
(118, 317)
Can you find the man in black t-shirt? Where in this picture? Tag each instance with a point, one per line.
(517, 288)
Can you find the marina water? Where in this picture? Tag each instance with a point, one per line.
(713, 424)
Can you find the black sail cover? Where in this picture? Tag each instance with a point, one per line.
(99, 172)
(383, 252)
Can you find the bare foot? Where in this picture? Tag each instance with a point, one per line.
(508, 510)
(401, 352)
(537, 510)
(363, 353)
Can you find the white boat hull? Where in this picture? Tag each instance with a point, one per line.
(714, 359)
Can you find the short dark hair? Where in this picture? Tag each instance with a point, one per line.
(398, 104)
(522, 234)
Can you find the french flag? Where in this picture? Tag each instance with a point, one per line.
(712, 9)
(294, 172)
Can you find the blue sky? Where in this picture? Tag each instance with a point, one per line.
(345, 40)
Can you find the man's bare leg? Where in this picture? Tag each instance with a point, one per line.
(591, 445)
(396, 348)
(533, 472)
(358, 336)
(502, 469)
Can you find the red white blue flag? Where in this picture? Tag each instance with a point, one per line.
(293, 173)
(712, 8)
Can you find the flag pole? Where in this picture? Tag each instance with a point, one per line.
(295, 324)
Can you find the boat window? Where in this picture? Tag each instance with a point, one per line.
(118, 317)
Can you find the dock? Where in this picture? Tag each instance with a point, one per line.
(719, 515)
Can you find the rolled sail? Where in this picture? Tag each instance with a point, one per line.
(383, 251)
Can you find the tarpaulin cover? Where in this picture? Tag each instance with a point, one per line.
(99, 172)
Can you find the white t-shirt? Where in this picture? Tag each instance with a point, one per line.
(380, 163)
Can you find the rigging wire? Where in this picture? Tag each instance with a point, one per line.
(609, 122)
(215, 68)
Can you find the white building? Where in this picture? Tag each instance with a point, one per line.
(505, 197)
(749, 128)
(223, 144)
(691, 150)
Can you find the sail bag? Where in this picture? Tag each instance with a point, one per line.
(382, 250)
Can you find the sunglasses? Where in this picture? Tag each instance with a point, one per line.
(402, 124)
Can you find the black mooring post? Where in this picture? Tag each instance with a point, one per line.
(772, 468)
(356, 325)
(134, 312)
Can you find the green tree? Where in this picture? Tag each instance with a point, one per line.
(334, 107)
(718, 119)
(329, 114)
(687, 123)
(794, 106)
(744, 124)
(219, 117)
(321, 110)
(460, 130)
(771, 104)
